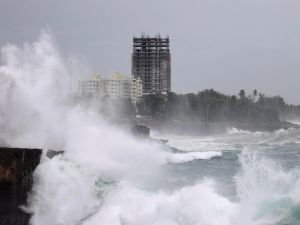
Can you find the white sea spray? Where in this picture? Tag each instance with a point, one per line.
(101, 177)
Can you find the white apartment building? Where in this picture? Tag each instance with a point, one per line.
(117, 86)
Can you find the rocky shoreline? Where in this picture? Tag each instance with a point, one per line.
(16, 178)
(16, 168)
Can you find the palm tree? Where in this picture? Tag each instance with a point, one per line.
(242, 94)
(254, 94)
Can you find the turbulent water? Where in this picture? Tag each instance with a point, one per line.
(108, 177)
(235, 178)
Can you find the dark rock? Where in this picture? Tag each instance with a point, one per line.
(16, 168)
(140, 131)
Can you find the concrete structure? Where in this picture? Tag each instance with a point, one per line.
(117, 86)
(151, 61)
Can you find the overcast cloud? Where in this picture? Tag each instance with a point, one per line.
(227, 45)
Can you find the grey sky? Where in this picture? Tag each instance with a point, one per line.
(227, 45)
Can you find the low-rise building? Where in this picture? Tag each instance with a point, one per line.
(115, 87)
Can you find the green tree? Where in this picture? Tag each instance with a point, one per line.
(242, 94)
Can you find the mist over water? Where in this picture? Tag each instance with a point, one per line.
(106, 176)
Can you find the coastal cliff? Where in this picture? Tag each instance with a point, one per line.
(16, 168)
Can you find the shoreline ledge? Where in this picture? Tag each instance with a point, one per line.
(16, 178)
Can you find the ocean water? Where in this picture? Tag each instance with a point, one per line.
(239, 177)
(257, 173)
(108, 177)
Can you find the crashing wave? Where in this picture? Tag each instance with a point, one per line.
(191, 156)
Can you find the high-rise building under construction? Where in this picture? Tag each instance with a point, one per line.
(151, 61)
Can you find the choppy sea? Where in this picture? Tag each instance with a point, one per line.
(107, 177)
(239, 177)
